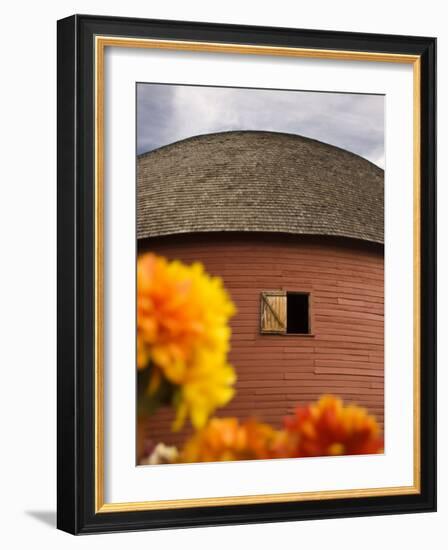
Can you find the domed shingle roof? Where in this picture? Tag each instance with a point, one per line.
(258, 181)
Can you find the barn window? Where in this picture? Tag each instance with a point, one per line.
(285, 312)
(298, 315)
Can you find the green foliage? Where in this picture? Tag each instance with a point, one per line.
(149, 401)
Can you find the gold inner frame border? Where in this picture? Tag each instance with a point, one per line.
(100, 44)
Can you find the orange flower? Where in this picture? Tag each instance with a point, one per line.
(228, 439)
(330, 428)
(319, 429)
(183, 335)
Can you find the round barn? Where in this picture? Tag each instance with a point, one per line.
(295, 228)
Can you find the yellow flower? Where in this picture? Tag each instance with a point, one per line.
(229, 439)
(208, 384)
(183, 336)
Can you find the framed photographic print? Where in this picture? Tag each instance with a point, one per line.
(246, 274)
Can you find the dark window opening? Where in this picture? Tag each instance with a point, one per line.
(298, 321)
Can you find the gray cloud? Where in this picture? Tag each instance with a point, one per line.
(168, 113)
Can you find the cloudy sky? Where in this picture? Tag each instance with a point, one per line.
(167, 113)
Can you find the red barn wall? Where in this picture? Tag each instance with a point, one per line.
(343, 356)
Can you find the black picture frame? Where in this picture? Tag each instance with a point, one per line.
(76, 276)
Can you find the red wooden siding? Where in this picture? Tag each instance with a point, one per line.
(344, 353)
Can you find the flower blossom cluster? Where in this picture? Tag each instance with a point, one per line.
(326, 427)
(183, 336)
(229, 439)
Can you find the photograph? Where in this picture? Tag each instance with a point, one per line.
(260, 274)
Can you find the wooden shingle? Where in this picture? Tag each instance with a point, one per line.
(258, 182)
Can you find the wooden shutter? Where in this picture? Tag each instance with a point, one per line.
(273, 312)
